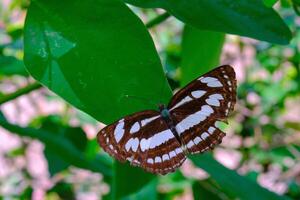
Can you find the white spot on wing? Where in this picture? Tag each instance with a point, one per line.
(147, 121)
(211, 129)
(178, 150)
(158, 159)
(194, 119)
(215, 84)
(190, 144)
(214, 99)
(207, 110)
(119, 131)
(133, 144)
(204, 135)
(136, 162)
(165, 157)
(172, 154)
(144, 144)
(135, 128)
(160, 138)
(198, 93)
(217, 96)
(229, 104)
(197, 140)
(183, 101)
(213, 102)
(150, 161)
(211, 82)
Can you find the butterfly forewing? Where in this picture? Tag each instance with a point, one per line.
(144, 140)
(220, 81)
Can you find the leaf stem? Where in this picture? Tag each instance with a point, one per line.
(60, 147)
(158, 20)
(20, 92)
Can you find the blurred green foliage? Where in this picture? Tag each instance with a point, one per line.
(94, 53)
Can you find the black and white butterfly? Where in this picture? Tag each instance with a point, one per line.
(158, 141)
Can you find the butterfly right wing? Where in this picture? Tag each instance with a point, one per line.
(198, 107)
(143, 139)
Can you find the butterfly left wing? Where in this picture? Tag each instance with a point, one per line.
(143, 139)
(197, 108)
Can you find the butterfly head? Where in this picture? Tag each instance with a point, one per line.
(163, 111)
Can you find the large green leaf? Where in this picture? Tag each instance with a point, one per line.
(200, 52)
(93, 53)
(244, 17)
(231, 182)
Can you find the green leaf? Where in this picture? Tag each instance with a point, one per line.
(92, 57)
(56, 163)
(201, 52)
(74, 135)
(233, 183)
(148, 192)
(11, 66)
(2, 117)
(246, 18)
(93, 53)
(26, 194)
(60, 146)
(127, 172)
(202, 190)
(64, 190)
(175, 184)
(270, 3)
(292, 125)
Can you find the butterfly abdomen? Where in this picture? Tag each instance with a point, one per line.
(170, 123)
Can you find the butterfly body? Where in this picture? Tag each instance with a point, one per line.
(165, 113)
(158, 141)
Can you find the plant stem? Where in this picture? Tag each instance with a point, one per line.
(61, 147)
(158, 20)
(19, 92)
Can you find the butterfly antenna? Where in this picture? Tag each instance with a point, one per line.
(145, 100)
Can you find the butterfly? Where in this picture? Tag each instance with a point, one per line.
(159, 140)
